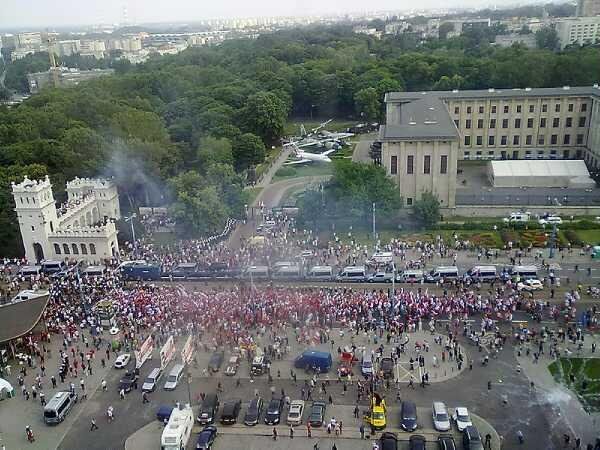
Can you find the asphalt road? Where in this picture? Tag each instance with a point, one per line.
(468, 388)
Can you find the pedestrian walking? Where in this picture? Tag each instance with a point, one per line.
(145, 397)
(94, 426)
(122, 394)
(362, 431)
(53, 380)
(42, 399)
(104, 388)
(274, 433)
(308, 429)
(291, 432)
(520, 436)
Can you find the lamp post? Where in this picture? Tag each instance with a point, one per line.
(130, 220)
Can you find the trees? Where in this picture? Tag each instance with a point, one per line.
(367, 103)
(248, 150)
(265, 115)
(547, 38)
(427, 209)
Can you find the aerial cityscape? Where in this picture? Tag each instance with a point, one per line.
(299, 226)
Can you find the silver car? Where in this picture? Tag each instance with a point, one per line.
(441, 418)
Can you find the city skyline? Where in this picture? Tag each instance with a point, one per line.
(71, 13)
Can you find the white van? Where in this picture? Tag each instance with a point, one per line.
(524, 272)
(58, 407)
(178, 430)
(517, 217)
(257, 273)
(481, 273)
(174, 376)
(291, 272)
(410, 276)
(95, 271)
(151, 380)
(322, 273)
(442, 273)
(355, 274)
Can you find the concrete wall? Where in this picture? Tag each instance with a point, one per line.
(412, 186)
(504, 211)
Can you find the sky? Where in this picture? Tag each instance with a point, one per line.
(49, 13)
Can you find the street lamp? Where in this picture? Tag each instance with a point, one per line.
(130, 220)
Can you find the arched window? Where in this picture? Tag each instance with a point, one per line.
(66, 249)
(83, 249)
(75, 249)
(57, 249)
(92, 249)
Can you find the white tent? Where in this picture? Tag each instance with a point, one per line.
(540, 173)
(6, 389)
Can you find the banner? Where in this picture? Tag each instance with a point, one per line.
(144, 353)
(167, 352)
(187, 352)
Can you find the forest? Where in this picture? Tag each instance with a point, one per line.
(184, 130)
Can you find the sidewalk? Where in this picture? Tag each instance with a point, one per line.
(580, 423)
(17, 412)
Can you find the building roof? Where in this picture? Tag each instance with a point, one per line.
(499, 93)
(424, 115)
(540, 168)
(18, 319)
(421, 115)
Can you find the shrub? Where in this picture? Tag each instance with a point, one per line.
(573, 238)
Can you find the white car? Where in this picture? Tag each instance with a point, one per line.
(113, 331)
(295, 414)
(122, 360)
(306, 254)
(530, 285)
(550, 220)
(441, 418)
(462, 419)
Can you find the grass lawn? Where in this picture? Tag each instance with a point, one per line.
(589, 236)
(292, 127)
(486, 238)
(303, 170)
(582, 376)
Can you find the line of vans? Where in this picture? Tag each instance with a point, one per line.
(353, 274)
(442, 273)
(481, 274)
(523, 272)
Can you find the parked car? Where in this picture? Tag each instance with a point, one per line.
(122, 361)
(208, 409)
(163, 413)
(295, 413)
(366, 367)
(381, 277)
(472, 439)
(254, 411)
(530, 285)
(462, 418)
(215, 362)
(408, 416)
(446, 442)
(550, 220)
(417, 442)
(441, 419)
(317, 414)
(232, 365)
(388, 441)
(128, 381)
(231, 411)
(273, 415)
(387, 367)
(206, 438)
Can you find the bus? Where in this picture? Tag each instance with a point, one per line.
(106, 313)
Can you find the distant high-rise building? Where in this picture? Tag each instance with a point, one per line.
(587, 8)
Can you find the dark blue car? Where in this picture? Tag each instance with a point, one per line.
(163, 413)
(206, 438)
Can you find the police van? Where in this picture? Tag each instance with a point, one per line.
(58, 407)
(481, 274)
(354, 274)
(442, 273)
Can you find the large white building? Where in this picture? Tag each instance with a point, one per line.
(81, 229)
(426, 133)
(578, 30)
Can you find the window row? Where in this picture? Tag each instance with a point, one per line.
(517, 123)
(528, 154)
(410, 164)
(74, 249)
(519, 108)
(516, 140)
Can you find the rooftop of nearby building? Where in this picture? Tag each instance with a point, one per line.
(424, 115)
